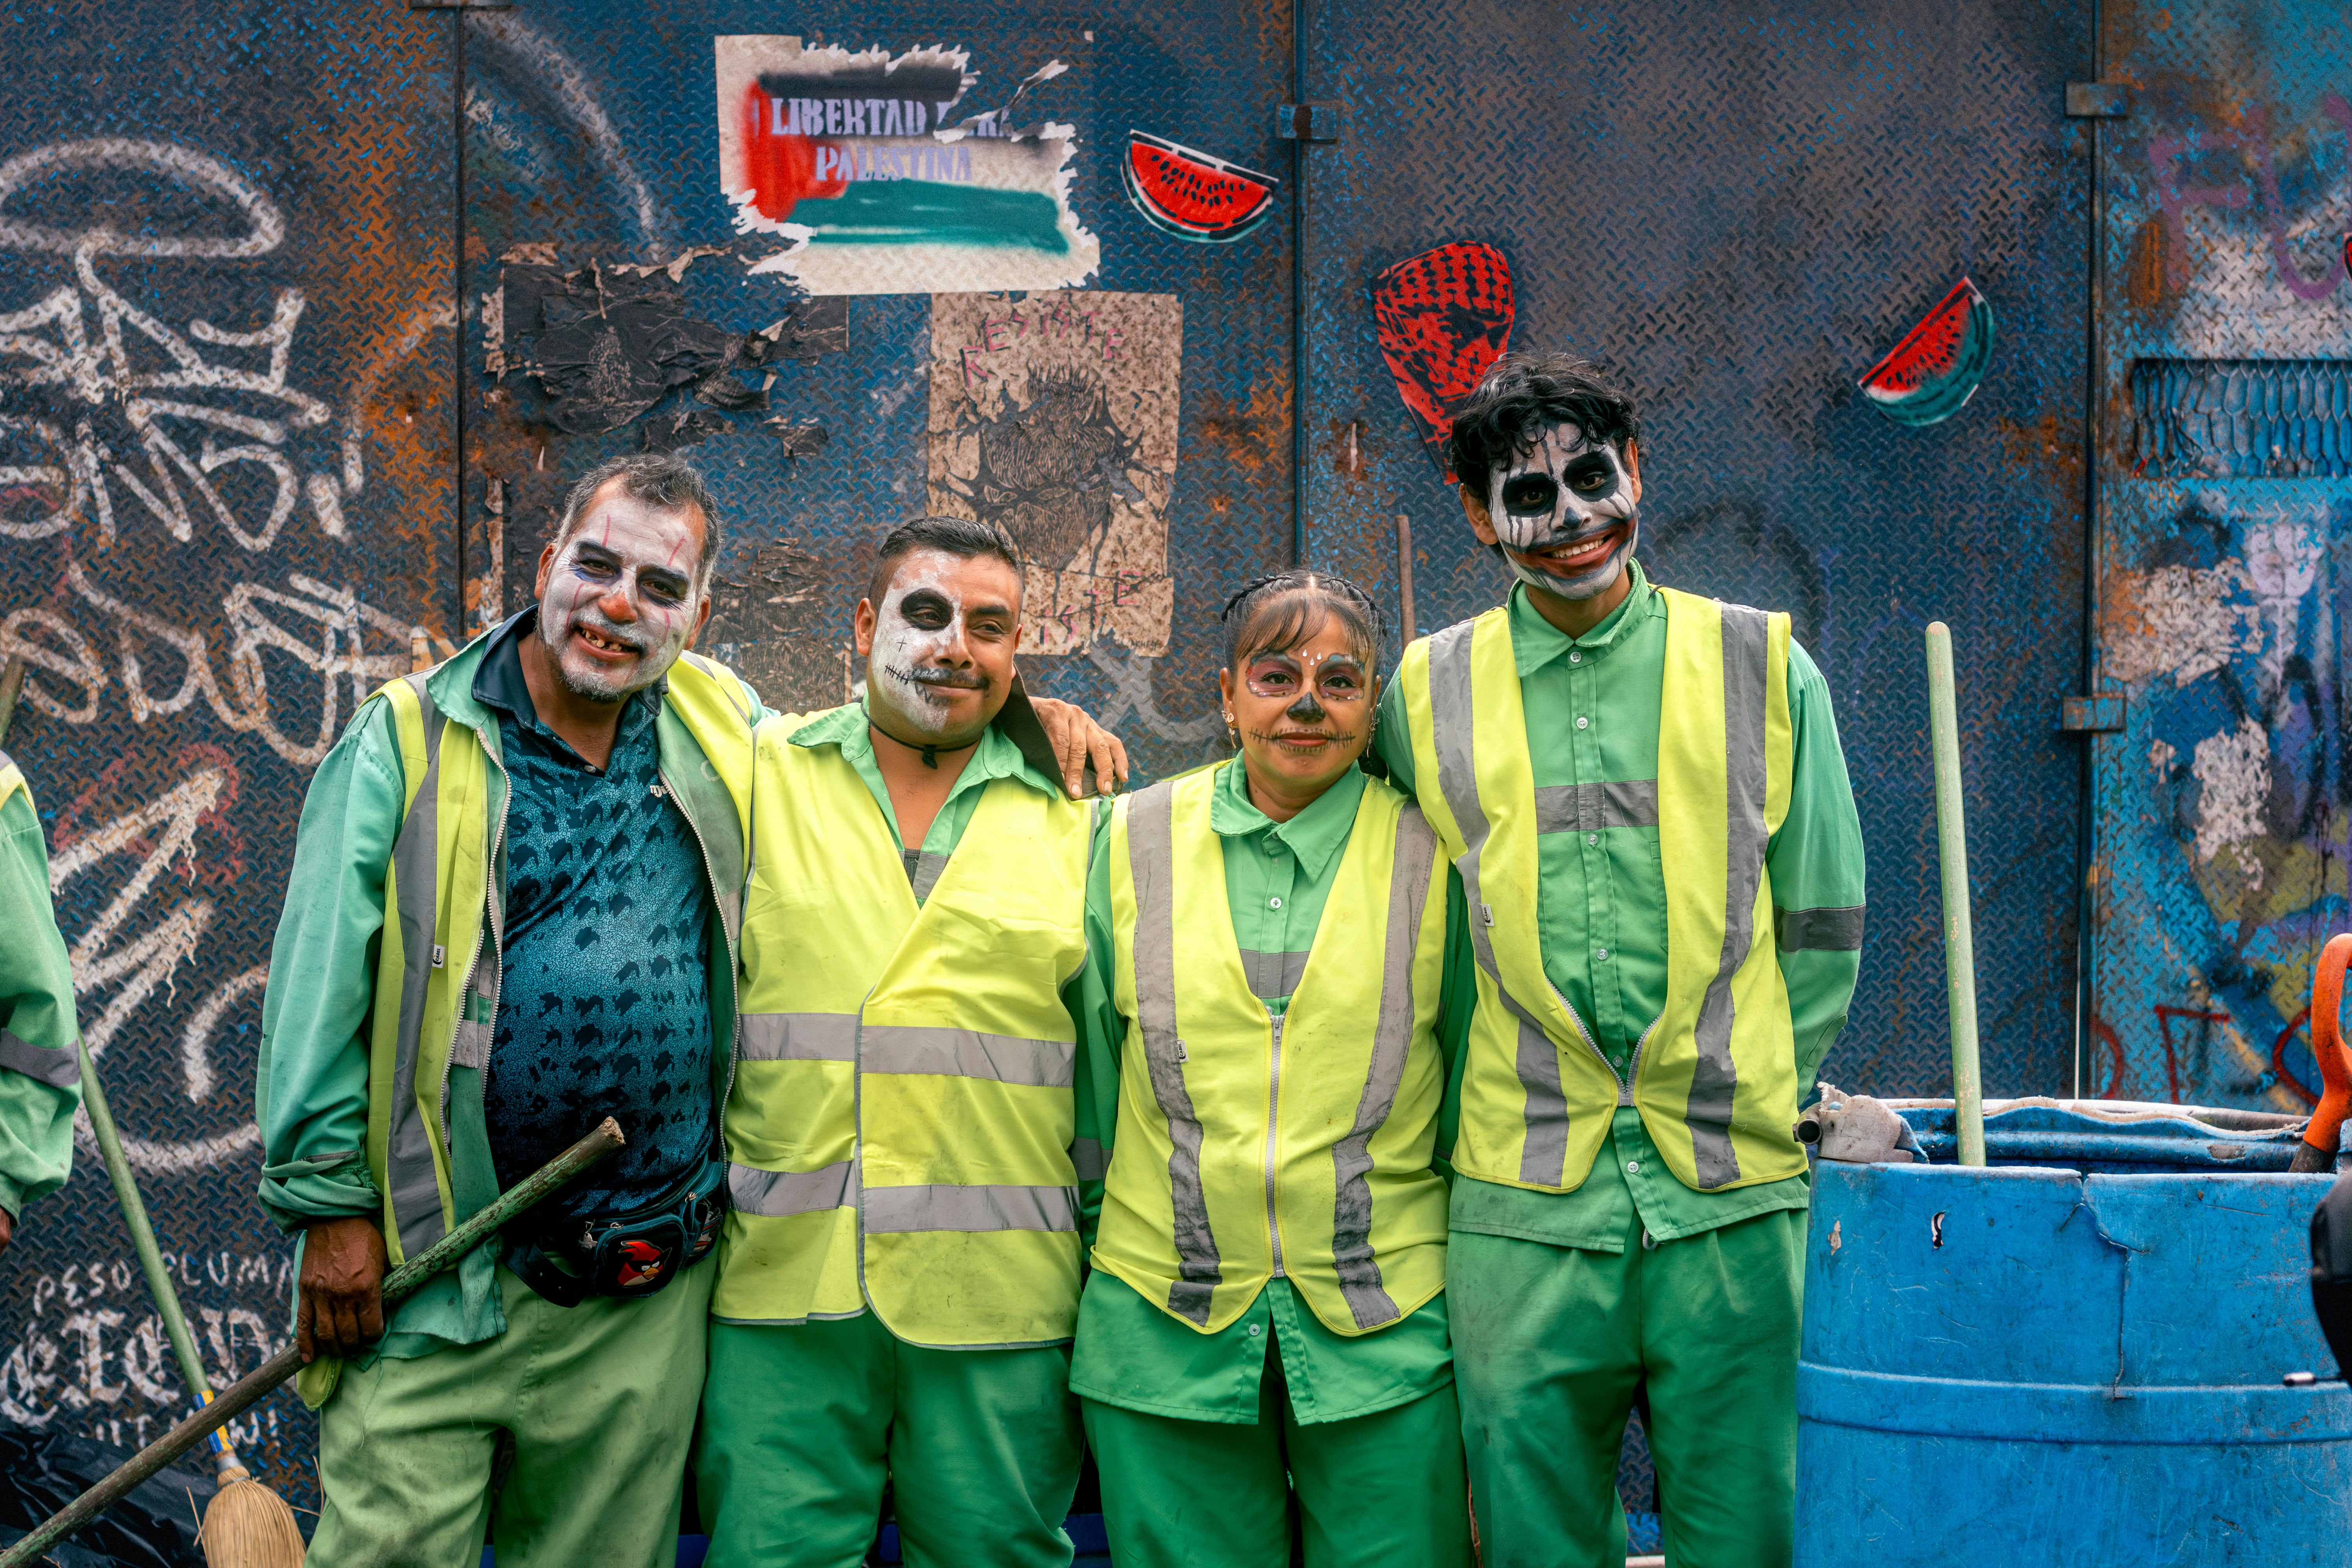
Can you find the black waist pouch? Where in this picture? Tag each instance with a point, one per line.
(626, 1256)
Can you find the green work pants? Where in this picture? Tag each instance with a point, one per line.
(598, 1401)
(802, 1423)
(1550, 1346)
(1383, 1491)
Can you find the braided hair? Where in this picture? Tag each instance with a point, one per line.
(1282, 609)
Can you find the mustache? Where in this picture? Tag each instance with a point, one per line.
(932, 675)
(594, 622)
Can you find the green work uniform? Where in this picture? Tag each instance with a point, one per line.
(1628, 1243)
(40, 1072)
(802, 1423)
(1331, 1412)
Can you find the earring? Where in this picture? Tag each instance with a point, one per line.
(1233, 733)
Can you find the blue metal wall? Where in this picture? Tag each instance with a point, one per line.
(1740, 209)
(2224, 812)
(247, 160)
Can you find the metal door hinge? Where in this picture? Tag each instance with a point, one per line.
(1307, 121)
(2091, 715)
(2097, 101)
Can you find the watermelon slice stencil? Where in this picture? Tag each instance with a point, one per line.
(1937, 366)
(1193, 194)
(1445, 318)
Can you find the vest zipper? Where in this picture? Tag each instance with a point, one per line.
(734, 986)
(489, 922)
(1272, 1120)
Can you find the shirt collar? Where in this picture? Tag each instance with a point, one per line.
(498, 680)
(1536, 642)
(1315, 835)
(996, 757)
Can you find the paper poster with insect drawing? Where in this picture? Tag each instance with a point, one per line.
(1054, 414)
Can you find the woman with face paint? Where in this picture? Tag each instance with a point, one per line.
(1262, 1064)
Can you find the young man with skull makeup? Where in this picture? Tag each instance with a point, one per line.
(516, 907)
(1661, 867)
(898, 1278)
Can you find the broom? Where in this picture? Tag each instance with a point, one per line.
(257, 1386)
(245, 1525)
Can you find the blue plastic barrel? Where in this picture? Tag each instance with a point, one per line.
(2067, 1368)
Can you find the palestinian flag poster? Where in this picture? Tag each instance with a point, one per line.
(880, 176)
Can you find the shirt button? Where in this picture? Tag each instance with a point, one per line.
(1272, 845)
(1274, 904)
(1253, 1331)
(1601, 954)
(1592, 838)
(1633, 1167)
(1582, 722)
(1574, 657)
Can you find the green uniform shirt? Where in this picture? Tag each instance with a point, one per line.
(1592, 706)
(1129, 1352)
(996, 757)
(36, 1019)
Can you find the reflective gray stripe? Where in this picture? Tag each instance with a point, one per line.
(923, 871)
(799, 1037)
(1820, 931)
(1151, 833)
(779, 1192)
(1273, 976)
(1087, 1159)
(966, 1053)
(470, 1047)
(408, 1157)
(1715, 1079)
(42, 1063)
(1351, 1157)
(892, 1211)
(1543, 1159)
(1589, 807)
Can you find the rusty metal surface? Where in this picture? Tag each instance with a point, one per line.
(2223, 805)
(591, 138)
(176, 176)
(1741, 210)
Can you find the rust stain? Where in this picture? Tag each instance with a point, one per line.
(2050, 452)
(1248, 436)
(2145, 273)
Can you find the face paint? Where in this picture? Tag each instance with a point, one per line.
(918, 666)
(621, 598)
(1565, 514)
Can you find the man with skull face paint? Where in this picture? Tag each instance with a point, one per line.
(899, 1278)
(1658, 860)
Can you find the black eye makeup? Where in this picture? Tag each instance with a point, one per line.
(1338, 679)
(1531, 495)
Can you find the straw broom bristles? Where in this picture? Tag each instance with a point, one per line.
(246, 1525)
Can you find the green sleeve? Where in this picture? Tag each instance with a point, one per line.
(1391, 741)
(40, 1076)
(1815, 862)
(311, 1094)
(1457, 1004)
(1101, 1031)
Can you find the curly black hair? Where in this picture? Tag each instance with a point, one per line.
(1506, 416)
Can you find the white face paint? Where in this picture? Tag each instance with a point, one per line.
(941, 659)
(1565, 514)
(619, 600)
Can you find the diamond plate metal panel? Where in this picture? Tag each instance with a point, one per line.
(228, 252)
(591, 137)
(1740, 209)
(2222, 820)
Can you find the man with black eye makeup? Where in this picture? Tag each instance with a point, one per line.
(1660, 868)
(899, 1274)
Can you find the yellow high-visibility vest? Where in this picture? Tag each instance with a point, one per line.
(1715, 1075)
(1253, 1145)
(12, 779)
(900, 1133)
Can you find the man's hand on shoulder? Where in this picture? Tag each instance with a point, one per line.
(341, 1310)
(7, 1229)
(1078, 741)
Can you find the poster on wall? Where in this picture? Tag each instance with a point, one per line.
(1055, 416)
(879, 180)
